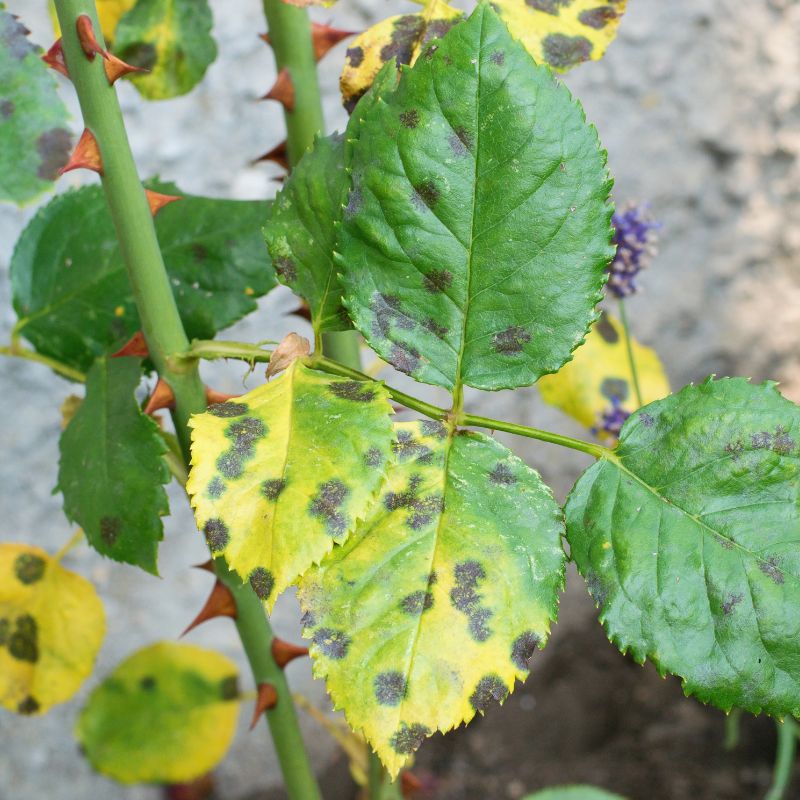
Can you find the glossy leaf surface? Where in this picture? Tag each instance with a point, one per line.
(52, 624)
(71, 291)
(111, 471)
(430, 611)
(687, 538)
(477, 231)
(167, 714)
(34, 140)
(282, 473)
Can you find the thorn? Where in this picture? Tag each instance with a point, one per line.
(282, 90)
(208, 566)
(86, 37)
(54, 58)
(115, 68)
(324, 38)
(135, 346)
(410, 783)
(162, 397)
(85, 156)
(213, 396)
(278, 154)
(157, 201)
(284, 652)
(220, 603)
(302, 311)
(267, 698)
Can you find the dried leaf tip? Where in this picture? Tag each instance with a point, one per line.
(85, 156)
(116, 68)
(291, 347)
(157, 201)
(220, 603)
(282, 90)
(283, 652)
(135, 346)
(54, 58)
(267, 698)
(89, 44)
(162, 397)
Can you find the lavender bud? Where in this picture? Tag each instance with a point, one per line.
(635, 237)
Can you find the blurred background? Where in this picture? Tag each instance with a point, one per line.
(698, 104)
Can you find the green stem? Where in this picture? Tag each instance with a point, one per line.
(784, 759)
(623, 315)
(16, 351)
(732, 726)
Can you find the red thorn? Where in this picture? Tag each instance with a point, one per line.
(324, 38)
(213, 396)
(198, 789)
(278, 154)
(135, 346)
(267, 698)
(116, 68)
(157, 201)
(85, 156)
(220, 603)
(284, 652)
(162, 397)
(86, 37)
(54, 58)
(302, 311)
(208, 566)
(282, 90)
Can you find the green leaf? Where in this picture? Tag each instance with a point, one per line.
(432, 608)
(477, 232)
(573, 793)
(34, 140)
(71, 291)
(282, 473)
(687, 537)
(51, 627)
(167, 714)
(562, 33)
(171, 39)
(111, 470)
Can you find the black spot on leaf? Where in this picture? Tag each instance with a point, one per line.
(28, 706)
(510, 341)
(597, 18)
(405, 35)
(404, 357)
(272, 488)
(29, 568)
(307, 620)
(110, 529)
(390, 688)
(438, 280)
(228, 409)
(606, 330)
(647, 420)
(286, 269)
(465, 598)
(5, 628)
(435, 428)
(6, 108)
(263, 582)
(358, 391)
(548, 6)
(215, 488)
(216, 533)
(501, 475)
(148, 683)
(53, 147)
(615, 389)
(331, 643)
(355, 55)
(417, 602)
(523, 648)
(199, 252)
(565, 51)
(373, 458)
(409, 118)
(23, 643)
(597, 590)
(243, 433)
(734, 449)
(771, 569)
(229, 688)
(498, 57)
(326, 506)
(354, 201)
(407, 738)
(407, 447)
(731, 602)
(428, 192)
(440, 331)
(140, 54)
(490, 688)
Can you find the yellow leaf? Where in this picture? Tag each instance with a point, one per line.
(109, 13)
(562, 33)
(600, 374)
(51, 626)
(167, 714)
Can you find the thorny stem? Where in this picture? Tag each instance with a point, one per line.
(784, 759)
(623, 315)
(16, 351)
(166, 340)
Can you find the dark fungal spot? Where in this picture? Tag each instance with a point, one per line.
(53, 147)
(390, 688)
(407, 738)
(564, 51)
(783, 444)
(28, 706)
(110, 529)
(326, 506)
(358, 391)
(286, 269)
(215, 488)
(5, 627)
(354, 201)
(331, 643)
(437, 28)
(723, 541)
(647, 420)
(548, 6)
(350, 102)
(615, 389)
(510, 341)
(597, 18)
(140, 54)
(498, 57)
(421, 510)
(29, 568)
(147, 683)
(228, 409)
(6, 108)
(771, 569)
(272, 488)
(404, 358)
(489, 688)
(501, 475)
(761, 441)
(243, 433)
(405, 35)
(230, 464)
(417, 602)
(199, 252)
(23, 643)
(307, 620)
(464, 597)
(438, 280)
(216, 533)
(597, 591)
(428, 192)
(373, 457)
(523, 648)
(409, 118)
(263, 582)
(440, 331)
(355, 55)
(229, 688)
(387, 312)
(734, 449)
(407, 447)
(434, 428)
(731, 602)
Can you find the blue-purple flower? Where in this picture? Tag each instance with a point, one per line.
(635, 237)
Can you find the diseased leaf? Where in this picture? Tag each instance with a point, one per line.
(397, 39)
(167, 714)
(111, 470)
(477, 232)
(562, 33)
(71, 291)
(282, 473)
(51, 627)
(599, 378)
(170, 38)
(687, 537)
(433, 606)
(34, 140)
(573, 793)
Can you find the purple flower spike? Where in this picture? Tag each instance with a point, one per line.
(635, 237)
(611, 420)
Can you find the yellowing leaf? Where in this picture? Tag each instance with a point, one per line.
(599, 376)
(400, 38)
(109, 13)
(282, 473)
(432, 608)
(167, 714)
(562, 33)
(51, 626)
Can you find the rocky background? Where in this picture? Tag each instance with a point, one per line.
(698, 104)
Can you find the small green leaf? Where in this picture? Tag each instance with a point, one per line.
(171, 39)
(34, 140)
(573, 793)
(687, 537)
(478, 228)
(167, 714)
(433, 606)
(282, 473)
(111, 470)
(70, 288)
(51, 627)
